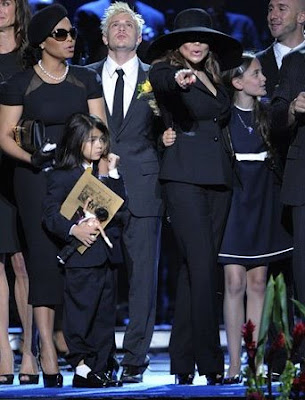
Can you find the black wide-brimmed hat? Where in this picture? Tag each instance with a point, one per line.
(43, 22)
(195, 25)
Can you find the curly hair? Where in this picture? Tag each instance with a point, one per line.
(22, 18)
(120, 7)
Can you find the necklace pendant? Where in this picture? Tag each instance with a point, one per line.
(250, 129)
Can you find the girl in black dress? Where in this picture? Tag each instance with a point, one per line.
(253, 235)
(51, 91)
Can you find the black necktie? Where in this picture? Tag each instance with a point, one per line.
(117, 111)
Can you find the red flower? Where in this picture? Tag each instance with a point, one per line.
(298, 384)
(279, 342)
(255, 396)
(298, 333)
(247, 332)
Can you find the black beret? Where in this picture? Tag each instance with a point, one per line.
(43, 22)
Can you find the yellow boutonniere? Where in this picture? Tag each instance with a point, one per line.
(145, 89)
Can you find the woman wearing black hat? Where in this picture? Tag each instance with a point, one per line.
(196, 172)
(50, 91)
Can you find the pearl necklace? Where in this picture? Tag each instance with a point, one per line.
(55, 78)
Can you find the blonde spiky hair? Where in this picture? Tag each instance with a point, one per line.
(120, 7)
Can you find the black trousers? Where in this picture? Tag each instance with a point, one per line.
(89, 315)
(298, 215)
(141, 243)
(198, 215)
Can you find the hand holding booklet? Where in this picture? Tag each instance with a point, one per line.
(88, 186)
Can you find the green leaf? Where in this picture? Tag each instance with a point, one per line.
(265, 320)
(300, 306)
(281, 300)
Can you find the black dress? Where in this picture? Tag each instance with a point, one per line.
(9, 243)
(253, 234)
(53, 104)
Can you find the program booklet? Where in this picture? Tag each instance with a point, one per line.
(89, 186)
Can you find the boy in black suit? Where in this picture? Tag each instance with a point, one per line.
(90, 284)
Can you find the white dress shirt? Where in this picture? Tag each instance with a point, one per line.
(280, 50)
(109, 78)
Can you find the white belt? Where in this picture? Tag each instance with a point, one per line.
(251, 156)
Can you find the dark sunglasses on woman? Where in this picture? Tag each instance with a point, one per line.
(61, 34)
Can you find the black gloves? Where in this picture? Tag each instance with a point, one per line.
(40, 157)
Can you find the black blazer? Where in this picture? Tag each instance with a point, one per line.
(291, 83)
(201, 153)
(270, 69)
(135, 143)
(59, 185)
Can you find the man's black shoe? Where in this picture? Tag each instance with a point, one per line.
(112, 373)
(131, 374)
(92, 381)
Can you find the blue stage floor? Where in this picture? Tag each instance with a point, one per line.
(157, 384)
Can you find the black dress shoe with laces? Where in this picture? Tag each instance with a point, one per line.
(92, 381)
(184, 379)
(131, 374)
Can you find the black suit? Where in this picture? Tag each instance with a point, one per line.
(90, 283)
(270, 69)
(196, 171)
(135, 143)
(291, 83)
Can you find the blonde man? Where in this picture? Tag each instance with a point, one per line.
(133, 139)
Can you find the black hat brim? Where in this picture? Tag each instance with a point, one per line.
(227, 49)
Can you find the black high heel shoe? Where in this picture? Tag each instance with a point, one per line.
(9, 378)
(233, 380)
(214, 378)
(31, 379)
(184, 379)
(52, 380)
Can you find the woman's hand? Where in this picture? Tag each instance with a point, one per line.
(185, 78)
(169, 137)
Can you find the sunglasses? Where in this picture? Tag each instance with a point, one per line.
(60, 35)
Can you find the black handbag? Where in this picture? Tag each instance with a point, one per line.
(30, 134)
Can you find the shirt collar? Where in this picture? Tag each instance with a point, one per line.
(128, 67)
(85, 165)
(282, 48)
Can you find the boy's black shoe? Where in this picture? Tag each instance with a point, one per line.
(92, 381)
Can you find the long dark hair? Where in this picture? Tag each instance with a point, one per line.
(260, 115)
(209, 64)
(22, 18)
(77, 129)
